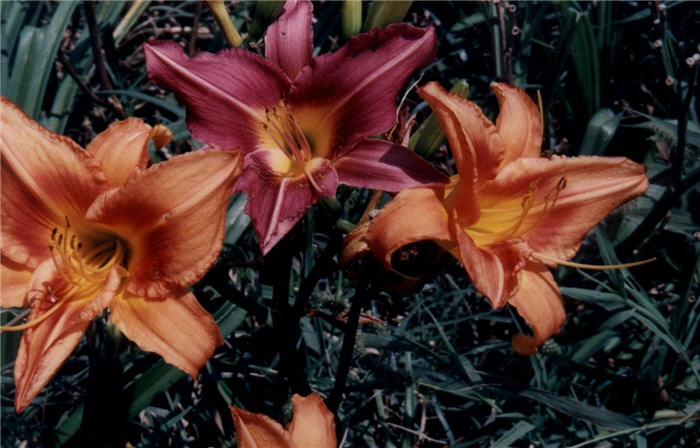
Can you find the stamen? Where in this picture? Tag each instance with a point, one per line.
(550, 260)
(39, 319)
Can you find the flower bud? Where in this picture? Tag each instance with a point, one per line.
(352, 17)
(218, 9)
(383, 12)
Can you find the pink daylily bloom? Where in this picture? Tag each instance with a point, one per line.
(302, 122)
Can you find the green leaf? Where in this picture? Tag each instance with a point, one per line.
(513, 434)
(599, 132)
(34, 60)
(593, 414)
(584, 52)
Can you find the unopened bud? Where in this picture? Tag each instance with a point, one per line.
(161, 135)
(218, 9)
(384, 12)
(426, 141)
(352, 17)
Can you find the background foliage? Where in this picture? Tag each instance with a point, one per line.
(430, 368)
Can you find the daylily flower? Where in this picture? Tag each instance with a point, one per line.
(89, 229)
(509, 213)
(302, 122)
(311, 427)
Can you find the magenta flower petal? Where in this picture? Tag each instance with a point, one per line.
(277, 201)
(289, 41)
(225, 93)
(356, 86)
(382, 165)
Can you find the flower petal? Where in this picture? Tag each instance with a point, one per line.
(519, 123)
(354, 245)
(259, 431)
(413, 215)
(289, 41)
(177, 328)
(539, 302)
(475, 143)
(594, 186)
(172, 216)
(225, 93)
(312, 424)
(494, 270)
(45, 178)
(354, 89)
(382, 165)
(15, 283)
(46, 345)
(277, 200)
(121, 149)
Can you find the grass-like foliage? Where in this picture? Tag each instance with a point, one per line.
(400, 365)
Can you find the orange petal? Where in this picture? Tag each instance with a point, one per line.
(177, 328)
(519, 123)
(45, 178)
(46, 345)
(15, 283)
(594, 187)
(538, 301)
(312, 424)
(493, 270)
(474, 141)
(172, 216)
(122, 148)
(259, 431)
(354, 245)
(413, 215)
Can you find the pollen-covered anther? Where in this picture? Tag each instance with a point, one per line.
(286, 132)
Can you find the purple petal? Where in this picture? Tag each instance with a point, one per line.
(277, 201)
(356, 87)
(225, 93)
(382, 165)
(289, 41)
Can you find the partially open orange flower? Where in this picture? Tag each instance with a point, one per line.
(509, 213)
(311, 427)
(87, 229)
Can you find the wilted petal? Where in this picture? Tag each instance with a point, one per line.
(15, 283)
(494, 270)
(225, 93)
(172, 216)
(538, 301)
(594, 186)
(259, 431)
(354, 89)
(519, 123)
(382, 165)
(177, 328)
(289, 41)
(121, 149)
(45, 178)
(312, 424)
(277, 200)
(354, 245)
(413, 215)
(46, 345)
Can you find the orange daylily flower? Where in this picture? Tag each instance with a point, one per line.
(89, 229)
(311, 427)
(509, 213)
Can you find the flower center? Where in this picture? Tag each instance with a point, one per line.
(513, 218)
(287, 134)
(82, 271)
